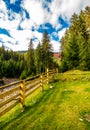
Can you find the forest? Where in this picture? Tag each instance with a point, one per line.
(75, 45)
(32, 62)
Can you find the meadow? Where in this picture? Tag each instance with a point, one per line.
(63, 105)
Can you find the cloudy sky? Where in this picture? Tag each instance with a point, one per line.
(21, 20)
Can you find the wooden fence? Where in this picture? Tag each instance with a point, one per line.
(16, 92)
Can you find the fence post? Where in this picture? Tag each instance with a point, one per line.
(22, 95)
(47, 72)
(41, 82)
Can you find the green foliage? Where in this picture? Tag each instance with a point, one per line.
(39, 58)
(44, 54)
(75, 46)
(31, 59)
(23, 74)
(11, 63)
(46, 51)
(34, 61)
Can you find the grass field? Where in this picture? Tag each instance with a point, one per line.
(63, 105)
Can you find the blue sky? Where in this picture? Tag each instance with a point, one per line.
(21, 20)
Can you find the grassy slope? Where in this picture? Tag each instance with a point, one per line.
(64, 107)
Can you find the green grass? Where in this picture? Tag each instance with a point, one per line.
(64, 107)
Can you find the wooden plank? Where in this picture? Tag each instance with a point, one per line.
(32, 90)
(9, 108)
(50, 72)
(22, 95)
(31, 81)
(32, 78)
(8, 92)
(11, 84)
(30, 86)
(8, 100)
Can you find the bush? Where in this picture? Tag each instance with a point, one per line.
(23, 74)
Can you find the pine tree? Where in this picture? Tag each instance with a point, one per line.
(46, 51)
(39, 58)
(75, 48)
(84, 45)
(31, 58)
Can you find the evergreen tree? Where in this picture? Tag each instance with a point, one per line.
(31, 59)
(75, 48)
(46, 51)
(39, 58)
(84, 45)
(11, 63)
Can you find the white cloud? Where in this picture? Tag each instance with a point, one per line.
(55, 46)
(10, 25)
(3, 10)
(38, 16)
(23, 37)
(2, 5)
(66, 8)
(8, 41)
(61, 33)
(26, 24)
(35, 10)
(5, 38)
(38, 35)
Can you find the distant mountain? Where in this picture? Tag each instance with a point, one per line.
(22, 51)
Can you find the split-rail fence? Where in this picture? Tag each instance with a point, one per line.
(16, 92)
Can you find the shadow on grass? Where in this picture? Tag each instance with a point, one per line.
(33, 108)
(87, 89)
(66, 95)
(54, 81)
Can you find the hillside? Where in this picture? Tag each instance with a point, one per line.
(64, 105)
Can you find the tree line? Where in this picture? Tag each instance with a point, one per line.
(32, 62)
(11, 63)
(75, 45)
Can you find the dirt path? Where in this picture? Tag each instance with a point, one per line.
(8, 80)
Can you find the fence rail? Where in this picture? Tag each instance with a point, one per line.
(16, 92)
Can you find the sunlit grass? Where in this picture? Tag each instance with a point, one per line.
(64, 106)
